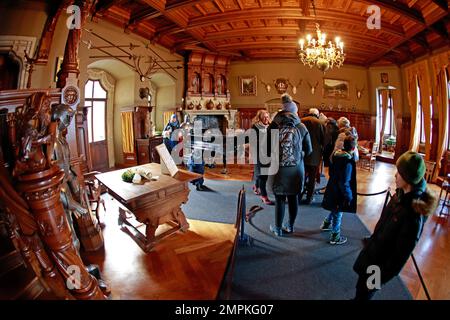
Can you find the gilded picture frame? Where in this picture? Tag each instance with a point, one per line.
(247, 85)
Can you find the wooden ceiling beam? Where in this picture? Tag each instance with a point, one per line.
(400, 8)
(179, 18)
(443, 4)
(440, 28)
(184, 4)
(145, 14)
(289, 13)
(102, 6)
(289, 31)
(219, 5)
(405, 40)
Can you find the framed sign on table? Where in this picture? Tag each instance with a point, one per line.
(247, 85)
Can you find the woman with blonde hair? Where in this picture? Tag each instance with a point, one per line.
(260, 123)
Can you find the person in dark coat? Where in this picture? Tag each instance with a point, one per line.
(340, 194)
(313, 160)
(399, 228)
(331, 134)
(261, 122)
(169, 139)
(294, 144)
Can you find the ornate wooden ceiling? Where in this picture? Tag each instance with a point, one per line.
(264, 29)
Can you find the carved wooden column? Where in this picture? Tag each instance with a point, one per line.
(42, 193)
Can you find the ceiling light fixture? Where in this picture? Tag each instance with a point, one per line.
(318, 53)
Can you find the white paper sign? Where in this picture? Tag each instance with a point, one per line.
(168, 166)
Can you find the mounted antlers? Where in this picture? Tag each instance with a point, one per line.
(294, 88)
(359, 92)
(267, 86)
(313, 88)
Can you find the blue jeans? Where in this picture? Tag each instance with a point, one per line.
(335, 218)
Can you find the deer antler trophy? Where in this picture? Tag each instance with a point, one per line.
(359, 92)
(313, 88)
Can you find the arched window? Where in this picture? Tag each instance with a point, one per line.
(95, 98)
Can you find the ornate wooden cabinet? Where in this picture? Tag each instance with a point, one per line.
(146, 149)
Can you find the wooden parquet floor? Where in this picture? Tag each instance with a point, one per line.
(183, 266)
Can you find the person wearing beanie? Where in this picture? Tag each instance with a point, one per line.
(288, 104)
(399, 228)
(340, 193)
(287, 182)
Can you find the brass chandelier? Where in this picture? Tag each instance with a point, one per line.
(319, 53)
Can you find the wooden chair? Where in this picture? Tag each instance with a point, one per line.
(445, 187)
(368, 160)
(430, 165)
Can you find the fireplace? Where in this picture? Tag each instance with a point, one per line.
(221, 119)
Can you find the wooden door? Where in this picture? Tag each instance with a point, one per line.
(96, 102)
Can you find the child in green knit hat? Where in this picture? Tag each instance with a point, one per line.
(399, 228)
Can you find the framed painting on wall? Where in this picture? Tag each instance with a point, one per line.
(247, 85)
(384, 78)
(335, 88)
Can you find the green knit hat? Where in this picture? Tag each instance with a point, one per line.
(411, 167)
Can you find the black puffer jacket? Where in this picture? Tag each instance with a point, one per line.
(397, 232)
(289, 180)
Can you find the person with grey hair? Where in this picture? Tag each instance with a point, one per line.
(287, 182)
(316, 131)
(344, 130)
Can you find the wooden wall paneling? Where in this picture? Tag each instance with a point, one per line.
(153, 142)
(403, 136)
(245, 117)
(142, 148)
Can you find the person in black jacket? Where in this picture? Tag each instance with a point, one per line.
(294, 144)
(312, 162)
(399, 228)
(340, 194)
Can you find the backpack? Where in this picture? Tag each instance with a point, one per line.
(288, 145)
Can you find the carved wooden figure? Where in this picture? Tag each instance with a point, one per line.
(73, 197)
(38, 181)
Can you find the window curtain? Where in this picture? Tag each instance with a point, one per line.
(127, 132)
(396, 113)
(167, 116)
(441, 105)
(413, 107)
(425, 100)
(384, 104)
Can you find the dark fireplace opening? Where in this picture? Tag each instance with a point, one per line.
(213, 122)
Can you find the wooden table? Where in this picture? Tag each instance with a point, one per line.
(153, 203)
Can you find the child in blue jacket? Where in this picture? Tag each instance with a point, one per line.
(340, 194)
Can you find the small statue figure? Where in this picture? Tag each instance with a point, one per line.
(35, 148)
